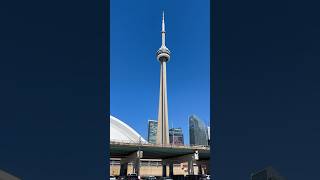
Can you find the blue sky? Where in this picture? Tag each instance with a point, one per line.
(135, 72)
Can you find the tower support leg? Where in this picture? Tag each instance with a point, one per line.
(190, 167)
(124, 169)
(171, 169)
(200, 169)
(137, 166)
(208, 167)
(164, 170)
(133, 157)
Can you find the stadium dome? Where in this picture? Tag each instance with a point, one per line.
(121, 132)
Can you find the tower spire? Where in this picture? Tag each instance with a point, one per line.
(163, 54)
(163, 32)
(163, 28)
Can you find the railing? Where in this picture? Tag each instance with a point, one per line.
(141, 143)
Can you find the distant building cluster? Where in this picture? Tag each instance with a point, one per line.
(199, 133)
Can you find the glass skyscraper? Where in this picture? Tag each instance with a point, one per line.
(176, 136)
(198, 131)
(152, 131)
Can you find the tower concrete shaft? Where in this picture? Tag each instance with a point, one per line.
(163, 55)
(163, 125)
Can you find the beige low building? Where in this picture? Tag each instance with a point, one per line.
(151, 168)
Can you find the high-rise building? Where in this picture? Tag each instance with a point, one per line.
(152, 131)
(267, 174)
(176, 136)
(163, 55)
(198, 131)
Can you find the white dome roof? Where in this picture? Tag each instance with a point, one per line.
(121, 132)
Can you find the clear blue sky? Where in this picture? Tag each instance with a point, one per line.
(135, 72)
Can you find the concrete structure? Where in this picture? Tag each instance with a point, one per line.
(198, 131)
(176, 136)
(169, 156)
(152, 131)
(163, 55)
(6, 176)
(267, 174)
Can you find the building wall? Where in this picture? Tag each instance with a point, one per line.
(153, 170)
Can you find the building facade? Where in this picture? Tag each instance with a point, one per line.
(152, 131)
(198, 131)
(176, 136)
(152, 168)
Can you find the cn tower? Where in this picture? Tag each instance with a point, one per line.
(163, 55)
